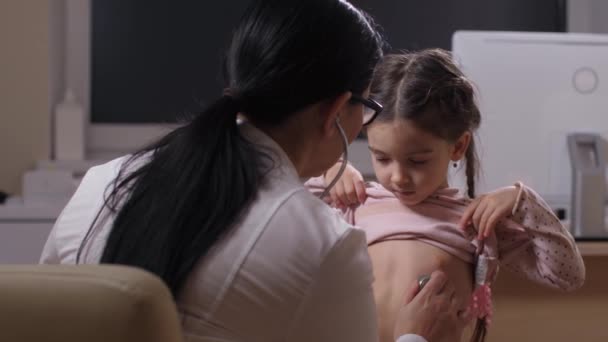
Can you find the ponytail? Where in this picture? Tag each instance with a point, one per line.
(185, 197)
(189, 188)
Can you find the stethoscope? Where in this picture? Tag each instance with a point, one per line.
(422, 280)
(333, 182)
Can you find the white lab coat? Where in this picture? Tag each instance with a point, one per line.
(290, 270)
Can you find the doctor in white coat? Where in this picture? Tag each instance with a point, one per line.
(217, 208)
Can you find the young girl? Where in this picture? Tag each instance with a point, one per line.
(416, 223)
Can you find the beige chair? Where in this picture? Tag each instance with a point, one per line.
(62, 303)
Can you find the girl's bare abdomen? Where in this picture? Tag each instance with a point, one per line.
(399, 263)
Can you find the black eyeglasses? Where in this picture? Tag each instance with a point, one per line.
(371, 108)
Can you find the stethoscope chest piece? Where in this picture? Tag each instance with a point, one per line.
(422, 280)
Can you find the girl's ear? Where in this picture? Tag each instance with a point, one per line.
(461, 146)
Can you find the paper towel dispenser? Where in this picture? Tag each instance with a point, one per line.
(587, 158)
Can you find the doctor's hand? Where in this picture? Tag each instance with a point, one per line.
(350, 188)
(431, 312)
(486, 210)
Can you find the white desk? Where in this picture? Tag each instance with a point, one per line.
(25, 228)
(23, 232)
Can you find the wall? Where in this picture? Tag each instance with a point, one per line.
(588, 16)
(31, 41)
(24, 88)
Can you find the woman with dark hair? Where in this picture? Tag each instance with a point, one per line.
(217, 208)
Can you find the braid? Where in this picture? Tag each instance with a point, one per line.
(471, 168)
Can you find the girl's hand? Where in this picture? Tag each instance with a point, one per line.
(486, 210)
(350, 188)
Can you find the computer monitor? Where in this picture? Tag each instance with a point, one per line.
(533, 90)
(116, 51)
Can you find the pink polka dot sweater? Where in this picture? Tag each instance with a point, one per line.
(531, 241)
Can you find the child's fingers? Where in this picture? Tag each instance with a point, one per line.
(483, 222)
(479, 210)
(360, 188)
(334, 196)
(492, 221)
(339, 192)
(350, 192)
(340, 205)
(468, 214)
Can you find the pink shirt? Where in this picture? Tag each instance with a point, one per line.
(532, 242)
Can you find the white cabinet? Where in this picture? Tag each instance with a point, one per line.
(21, 242)
(23, 232)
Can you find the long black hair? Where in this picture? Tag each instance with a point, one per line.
(177, 197)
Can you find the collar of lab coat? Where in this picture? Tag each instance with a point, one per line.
(281, 164)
